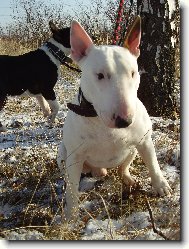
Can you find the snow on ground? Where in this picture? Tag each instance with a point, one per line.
(32, 188)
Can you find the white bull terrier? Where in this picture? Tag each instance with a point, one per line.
(107, 123)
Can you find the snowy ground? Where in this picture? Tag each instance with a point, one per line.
(31, 193)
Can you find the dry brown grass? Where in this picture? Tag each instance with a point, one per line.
(13, 47)
(31, 185)
(32, 188)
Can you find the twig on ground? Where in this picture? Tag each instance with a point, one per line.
(153, 222)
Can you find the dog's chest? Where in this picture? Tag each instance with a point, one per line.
(107, 149)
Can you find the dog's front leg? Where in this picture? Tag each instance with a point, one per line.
(50, 97)
(73, 174)
(54, 105)
(124, 169)
(44, 105)
(147, 152)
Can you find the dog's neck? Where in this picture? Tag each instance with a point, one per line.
(85, 108)
(56, 52)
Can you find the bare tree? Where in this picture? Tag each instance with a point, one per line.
(31, 20)
(157, 59)
(92, 17)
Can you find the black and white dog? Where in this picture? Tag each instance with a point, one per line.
(36, 72)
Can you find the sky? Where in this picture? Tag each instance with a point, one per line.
(6, 7)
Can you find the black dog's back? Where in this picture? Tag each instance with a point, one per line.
(36, 71)
(26, 72)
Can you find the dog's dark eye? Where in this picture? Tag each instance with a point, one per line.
(100, 76)
(132, 74)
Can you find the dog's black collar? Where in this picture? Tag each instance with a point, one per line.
(85, 108)
(56, 52)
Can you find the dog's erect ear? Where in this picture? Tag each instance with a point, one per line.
(79, 40)
(53, 27)
(133, 36)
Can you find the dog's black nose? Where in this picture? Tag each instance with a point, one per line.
(122, 123)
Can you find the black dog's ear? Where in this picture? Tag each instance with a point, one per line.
(52, 26)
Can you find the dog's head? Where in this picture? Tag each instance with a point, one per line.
(110, 77)
(62, 36)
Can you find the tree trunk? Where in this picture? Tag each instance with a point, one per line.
(156, 61)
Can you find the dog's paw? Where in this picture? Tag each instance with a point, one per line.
(162, 187)
(46, 112)
(51, 118)
(128, 180)
(3, 128)
(97, 172)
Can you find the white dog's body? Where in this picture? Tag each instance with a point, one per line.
(109, 81)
